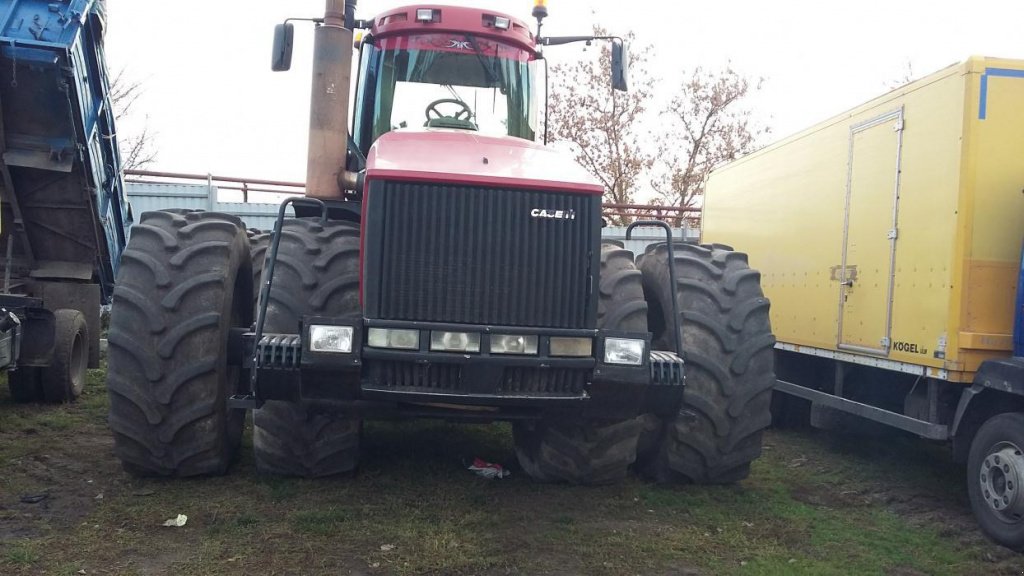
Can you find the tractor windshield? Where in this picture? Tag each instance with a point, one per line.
(444, 81)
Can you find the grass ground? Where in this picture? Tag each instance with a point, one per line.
(814, 504)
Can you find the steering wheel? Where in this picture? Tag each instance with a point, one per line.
(464, 114)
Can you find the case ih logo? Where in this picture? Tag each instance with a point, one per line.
(553, 214)
(460, 44)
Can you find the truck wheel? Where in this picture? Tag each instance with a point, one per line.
(64, 379)
(25, 384)
(995, 479)
(727, 345)
(185, 282)
(591, 452)
(317, 272)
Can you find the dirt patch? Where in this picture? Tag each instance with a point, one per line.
(57, 487)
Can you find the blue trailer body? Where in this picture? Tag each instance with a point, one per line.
(65, 214)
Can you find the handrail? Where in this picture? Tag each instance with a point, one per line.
(677, 214)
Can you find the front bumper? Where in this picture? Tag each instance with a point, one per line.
(287, 369)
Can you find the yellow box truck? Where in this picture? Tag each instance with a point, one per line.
(889, 239)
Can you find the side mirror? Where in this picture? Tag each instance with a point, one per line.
(620, 66)
(284, 37)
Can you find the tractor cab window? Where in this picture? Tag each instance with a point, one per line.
(454, 81)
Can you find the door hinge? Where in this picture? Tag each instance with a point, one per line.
(893, 233)
(898, 126)
(885, 343)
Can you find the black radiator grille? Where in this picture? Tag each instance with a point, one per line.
(441, 378)
(543, 381)
(463, 254)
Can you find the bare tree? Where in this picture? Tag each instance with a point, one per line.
(137, 150)
(602, 124)
(707, 126)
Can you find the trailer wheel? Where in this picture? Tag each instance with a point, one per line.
(317, 272)
(64, 379)
(25, 384)
(995, 479)
(185, 282)
(591, 452)
(727, 345)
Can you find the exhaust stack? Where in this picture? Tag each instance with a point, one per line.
(328, 114)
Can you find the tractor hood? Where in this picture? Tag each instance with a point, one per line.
(464, 157)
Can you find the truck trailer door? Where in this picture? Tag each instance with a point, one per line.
(870, 233)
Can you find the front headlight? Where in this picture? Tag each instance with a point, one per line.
(513, 344)
(397, 338)
(623, 351)
(336, 339)
(454, 341)
(572, 347)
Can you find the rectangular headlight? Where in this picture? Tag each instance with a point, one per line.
(513, 344)
(424, 15)
(399, 339)
(572, 347)
(330, 339)
(623, 351)
(501, 23)
(454, 341)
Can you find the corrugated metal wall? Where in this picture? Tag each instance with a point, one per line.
(145, 197)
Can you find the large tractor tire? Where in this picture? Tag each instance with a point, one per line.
(995, 479)
(185, 282)
(317, 273)
(259, 242)
(591, 452)
(64, 379)
(728, 350)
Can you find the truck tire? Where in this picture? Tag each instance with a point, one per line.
(25, 384)
(185, 282)
(317, 272)
(728, 349)
(64, 379)
(995, 479)
(591, 452)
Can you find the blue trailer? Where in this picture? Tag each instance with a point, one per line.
(64, 217)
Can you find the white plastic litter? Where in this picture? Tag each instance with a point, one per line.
(488, 469)
(177, 522)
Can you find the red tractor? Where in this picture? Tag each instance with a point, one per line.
(443, 264)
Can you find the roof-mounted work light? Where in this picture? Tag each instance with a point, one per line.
(424, 15)
(540, 9)
(540, 12)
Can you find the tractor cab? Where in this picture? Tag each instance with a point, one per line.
(448, 68)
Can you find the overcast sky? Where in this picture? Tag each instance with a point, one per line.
(214, 105)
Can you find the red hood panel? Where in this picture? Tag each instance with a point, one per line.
(465, 157)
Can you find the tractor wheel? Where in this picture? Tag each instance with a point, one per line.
(259, 241)
(591, 452)
(995, 479)
(64, 379)
(317, 272)
(185, 282)
(727, 345)
(26, 384)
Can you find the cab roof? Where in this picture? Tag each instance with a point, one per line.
(456, 20)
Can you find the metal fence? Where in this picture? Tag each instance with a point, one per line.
(256, 202)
